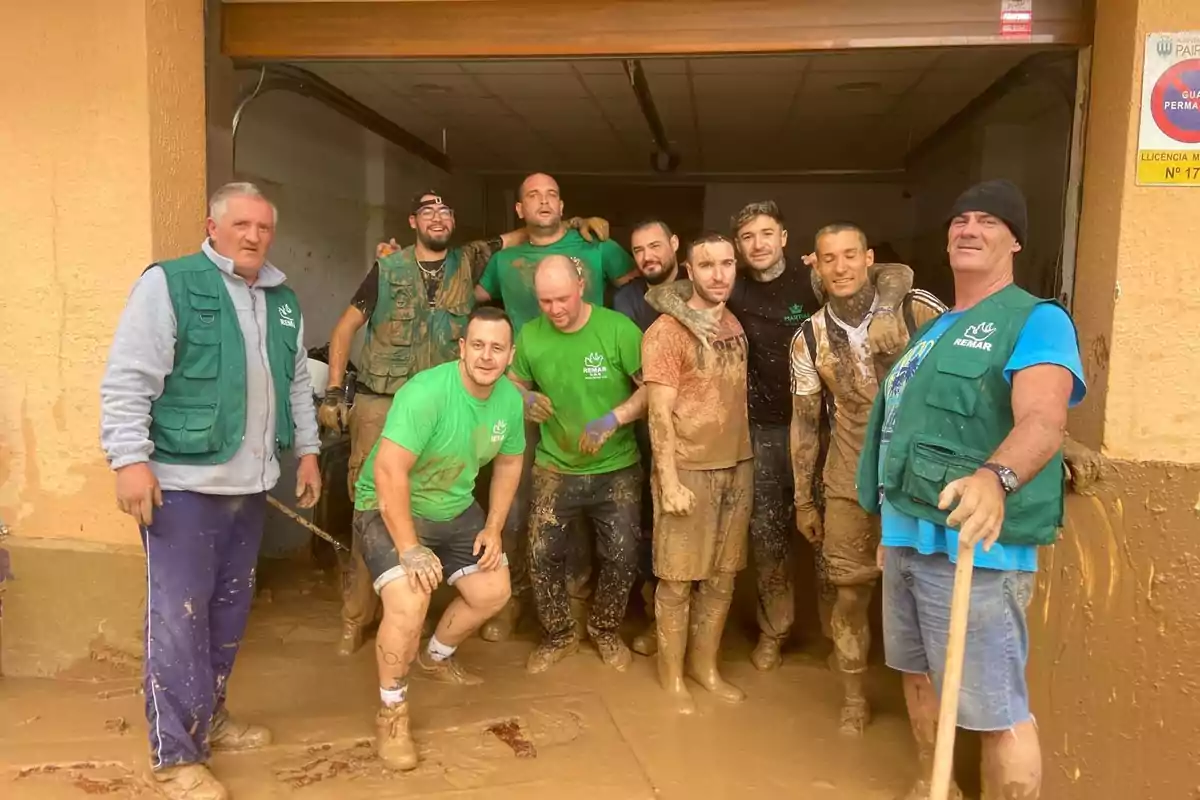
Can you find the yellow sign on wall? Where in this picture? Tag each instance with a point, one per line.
(1169, 132)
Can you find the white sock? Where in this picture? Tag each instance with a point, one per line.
(393, 697)
(438, 651)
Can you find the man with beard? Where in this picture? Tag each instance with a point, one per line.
(586, 361)
(414, 303)
(509, 278)
(416, 519)
(703, 475)
(832, 359)
(772, 300)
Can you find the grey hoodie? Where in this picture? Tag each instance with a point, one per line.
(143, 354)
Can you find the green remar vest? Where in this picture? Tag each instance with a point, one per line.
(405, 335)
(200, 417)
(955, 411)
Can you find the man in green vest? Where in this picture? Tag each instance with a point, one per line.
(414, 302)
(964, 449)
(206, 384)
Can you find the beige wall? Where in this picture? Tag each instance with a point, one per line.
(103, 142)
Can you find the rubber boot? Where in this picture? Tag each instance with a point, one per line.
(351, 639)
(393, 742)
(500, 627)
(851, 645)
(227, 733)
(671, 603)
(709, 610)
(646, 642)
(189, 782)
(766, 655)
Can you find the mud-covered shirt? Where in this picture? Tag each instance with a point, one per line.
(452, 433)
(586, 374)
(509, 274)
(712, 430)
(770, 313)
(846, 368)
(473, 255)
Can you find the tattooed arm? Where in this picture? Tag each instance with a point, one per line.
(672, 298)
(806, 445)
(676, 498)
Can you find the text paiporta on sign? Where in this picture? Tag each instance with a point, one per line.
(1169, 129)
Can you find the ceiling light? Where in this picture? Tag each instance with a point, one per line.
(860, 86)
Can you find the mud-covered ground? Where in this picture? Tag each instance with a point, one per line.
(581, 730)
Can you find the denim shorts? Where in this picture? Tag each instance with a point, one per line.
(451, 541)
(916, 621)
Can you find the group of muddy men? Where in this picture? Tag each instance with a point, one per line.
(729, 398)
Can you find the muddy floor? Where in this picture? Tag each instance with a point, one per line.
(580, 730)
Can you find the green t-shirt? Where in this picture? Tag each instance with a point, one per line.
(585, 374)
(452, 433)
(509, 274)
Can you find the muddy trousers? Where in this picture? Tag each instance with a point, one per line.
(772, 526)
(360, 604)
(201, 554)
(611, 502)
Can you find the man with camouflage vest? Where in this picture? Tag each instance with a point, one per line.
(207, 381)
(415, 303)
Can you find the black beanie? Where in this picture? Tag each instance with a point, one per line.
(1001, 199)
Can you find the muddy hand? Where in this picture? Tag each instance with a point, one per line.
(979, 513)
(678, 500)
(138, 492)
(308, 481)
(1085, 465)
(597, 432)
(489, 541)
(423, 568)
(887, 332)
(538, 407)
(593, 229)
(702, 324)
(808, 522)
(333, 414)
(384, 249)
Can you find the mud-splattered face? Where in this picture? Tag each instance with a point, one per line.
(540, 203)
(980, 243)
(761, 242)
(712, 267)
(842, 262)
(654, 252)
(559, 288)
(244, 231)
(486, 350)
(433, 223)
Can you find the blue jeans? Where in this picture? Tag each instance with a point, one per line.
(201, 554)
(916, 622)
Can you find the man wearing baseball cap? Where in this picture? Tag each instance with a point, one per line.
(964, 447)
(415, 302)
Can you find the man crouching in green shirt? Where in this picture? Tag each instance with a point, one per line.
(586, 361)
(416, 519)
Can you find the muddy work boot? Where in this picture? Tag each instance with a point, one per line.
(351, 639)
(393, 742)
(189, 782)
(646, 642)
(710, 607)
(230, 734)
(500, 627)
(448, 670)
(613, 651)
(856, 713)
(547, 654)
(766, 656)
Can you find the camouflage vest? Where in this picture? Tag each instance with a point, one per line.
(405, 333)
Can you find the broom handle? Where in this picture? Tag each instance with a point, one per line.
(960, 608)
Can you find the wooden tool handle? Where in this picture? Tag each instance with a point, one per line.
(960, 609)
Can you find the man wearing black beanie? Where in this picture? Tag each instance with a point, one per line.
(964, 448)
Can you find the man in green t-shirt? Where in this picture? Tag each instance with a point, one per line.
(416, 518)
(586, 362)
(508, 277)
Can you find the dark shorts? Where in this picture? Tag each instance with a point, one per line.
(451, 541)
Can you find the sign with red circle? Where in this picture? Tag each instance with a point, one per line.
(1175, 102)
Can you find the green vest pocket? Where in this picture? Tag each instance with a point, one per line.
(204, 352)
(955, 387)
(932, 464)
(185, 431)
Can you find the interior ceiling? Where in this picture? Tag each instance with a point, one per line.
(862, 109)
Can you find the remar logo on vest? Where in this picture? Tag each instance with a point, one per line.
(285, 316)
(976, 337)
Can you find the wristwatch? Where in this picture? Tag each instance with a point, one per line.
(1008, 479)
